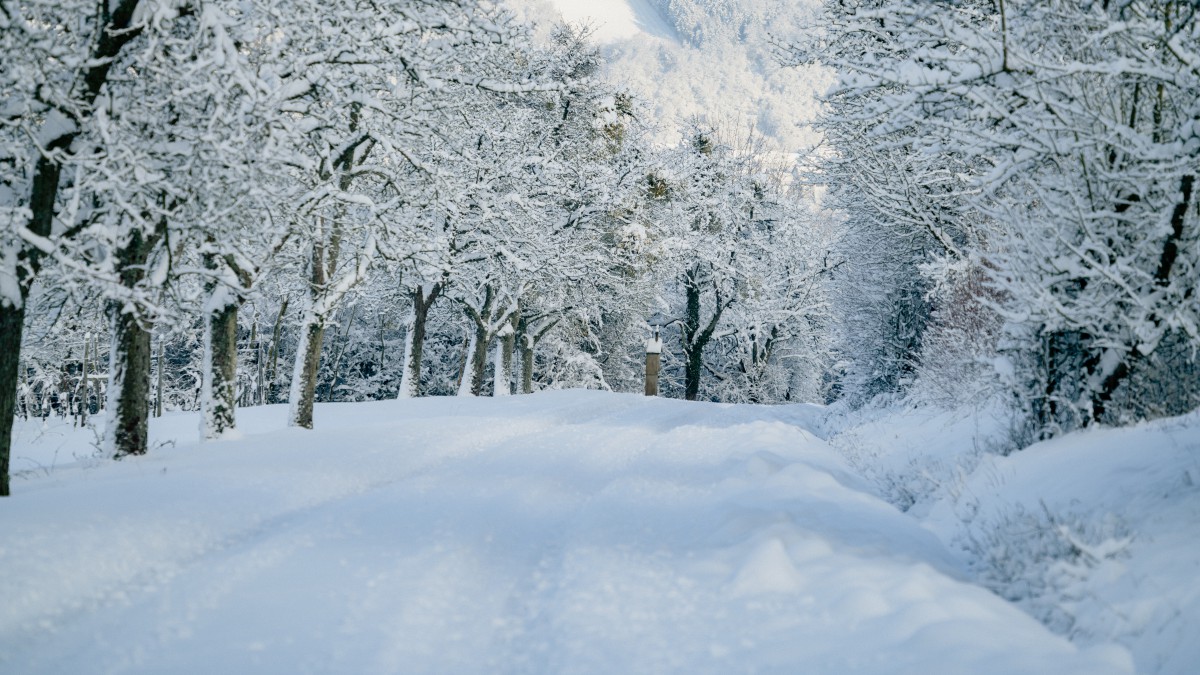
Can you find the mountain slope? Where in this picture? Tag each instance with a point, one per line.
(706, 59)
(618, 19)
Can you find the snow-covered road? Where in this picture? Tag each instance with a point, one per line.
(564, 532)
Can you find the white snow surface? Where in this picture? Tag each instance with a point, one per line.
(720, 72)
(1095, 532)
(560, 532)
(616, 19)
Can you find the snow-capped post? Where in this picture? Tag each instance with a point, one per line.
(653, 354)
(83, 381)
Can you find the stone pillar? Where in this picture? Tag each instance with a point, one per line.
(653, 362)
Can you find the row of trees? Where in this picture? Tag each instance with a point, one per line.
(223, 188)
(1019, 183)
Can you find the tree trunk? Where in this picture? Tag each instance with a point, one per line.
(129, 386)
(260, 379)
(249, 394)
(1162, 277)
(692, 349)
(505, 344)
(527, 365)
(466, 380)
(695, 337)
(101, 392)
(479, 359)
(1063, 352)
(502, 366)
(530, 332)
(83, 386)
(312, 333)
(12, 323)
(129, 363)
(692, 370)
(43, 193)
(304, 376)
(414, 342)
(481, 337)
(273, 359)
(218, 401)
(162, 363)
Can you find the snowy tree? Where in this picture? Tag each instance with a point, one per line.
(539, 177)
(1061, 137)
(363, 117)
(717, 218)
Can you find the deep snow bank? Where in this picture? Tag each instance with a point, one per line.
(562, 532)
(1097, 533)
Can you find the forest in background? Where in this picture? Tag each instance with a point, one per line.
(211, 204)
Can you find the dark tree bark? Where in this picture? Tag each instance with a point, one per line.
(223, 371)
(131, 401)
(83, 387)
(696, 337)
(478, 363)
(527, 365)
(1063, 356)
(530, 333)
(162, 363)
(502, 386)
(312, 334)
(481, 319)
(323, 268)
(273, 357)
(692, 350)
(11, 320)
(416, 340)
(130, 359)
(1162, 277)
(307, 372)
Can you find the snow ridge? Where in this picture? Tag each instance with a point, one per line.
(566, 532)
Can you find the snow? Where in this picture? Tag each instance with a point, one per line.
(564, 532)
(1134, 493)
(616, 19)
(1094, 533)
(691, 61)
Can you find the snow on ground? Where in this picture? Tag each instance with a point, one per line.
(1094, 533)
(564, 532)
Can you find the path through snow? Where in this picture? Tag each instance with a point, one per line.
(564, 532)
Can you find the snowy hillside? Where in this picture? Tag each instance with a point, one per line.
(702, 58)
(562, 532)
(616, 20)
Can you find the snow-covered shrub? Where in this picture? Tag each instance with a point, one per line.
(958, 349)
(1042, 560)
(917, 454)
(574, 371)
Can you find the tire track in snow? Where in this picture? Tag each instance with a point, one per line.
(135, 589)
